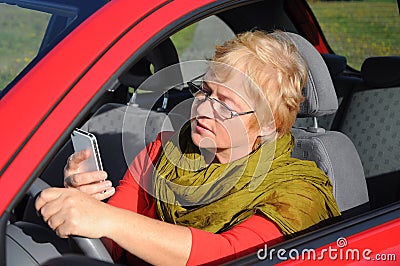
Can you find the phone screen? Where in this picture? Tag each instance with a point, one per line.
(83, 140)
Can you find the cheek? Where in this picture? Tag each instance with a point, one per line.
(223, 133)
(232, 133)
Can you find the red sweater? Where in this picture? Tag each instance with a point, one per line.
(240, 240)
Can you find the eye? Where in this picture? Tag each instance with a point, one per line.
(206, 89)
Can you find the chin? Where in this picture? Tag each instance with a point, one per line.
(202, 141)
(195, 139)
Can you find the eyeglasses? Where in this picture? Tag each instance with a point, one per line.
(201, 95)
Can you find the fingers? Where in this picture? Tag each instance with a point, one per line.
(60, 214)
(81, 179)
(70, 212)
(95, 187)
(63, 216)
(62, 230)
(46, 196)
(59, 228)
(104, 194)
(91, 183)
(75, 159)
(58, 209)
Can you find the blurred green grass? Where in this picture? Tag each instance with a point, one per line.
(21, 33)
(183, 38)
(360, 29)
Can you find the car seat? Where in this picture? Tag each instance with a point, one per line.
(372, 123)
(333, 152)
(372, 120)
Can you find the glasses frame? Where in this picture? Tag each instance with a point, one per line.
(212, 99)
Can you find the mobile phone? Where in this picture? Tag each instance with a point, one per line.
(83, 140)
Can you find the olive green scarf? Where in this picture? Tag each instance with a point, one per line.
(295, 194)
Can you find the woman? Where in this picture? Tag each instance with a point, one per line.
(223, 185)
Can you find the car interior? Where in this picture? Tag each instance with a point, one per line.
(348, 123)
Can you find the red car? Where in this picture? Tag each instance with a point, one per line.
(95, 58)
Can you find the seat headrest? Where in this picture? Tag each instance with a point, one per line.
(161, 56)
(319, 91)
(382, 71)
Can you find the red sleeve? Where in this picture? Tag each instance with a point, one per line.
(131, 194)
(242, 239)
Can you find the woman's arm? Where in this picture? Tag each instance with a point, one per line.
(132, 192)
(152, 240)
(240, 240)
(71, 212)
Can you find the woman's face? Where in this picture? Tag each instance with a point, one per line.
(210, 127)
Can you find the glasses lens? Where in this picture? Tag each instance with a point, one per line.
(192, 88)
(195, 90)
(199, 93)
(221, 109)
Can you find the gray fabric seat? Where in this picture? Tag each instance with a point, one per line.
(372, 120)
(333, 152)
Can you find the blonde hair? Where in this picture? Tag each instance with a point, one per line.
(274, 64)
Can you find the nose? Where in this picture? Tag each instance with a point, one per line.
(203, 108)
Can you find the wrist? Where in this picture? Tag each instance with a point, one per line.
(114, 224)
(109, 221)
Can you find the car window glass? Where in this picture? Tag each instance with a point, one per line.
(198, 40)
(360, 29)
(21, 34)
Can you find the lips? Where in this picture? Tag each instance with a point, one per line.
(202, 127)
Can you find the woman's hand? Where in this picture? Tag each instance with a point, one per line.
(70, 212)
(91, 183)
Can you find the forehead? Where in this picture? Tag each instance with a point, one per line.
(228, 82)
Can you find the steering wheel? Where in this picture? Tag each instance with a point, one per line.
(91, 247)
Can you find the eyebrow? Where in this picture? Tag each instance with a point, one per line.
(220, 95)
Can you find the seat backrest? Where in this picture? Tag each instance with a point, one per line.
(372, 121)
(333, 152)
